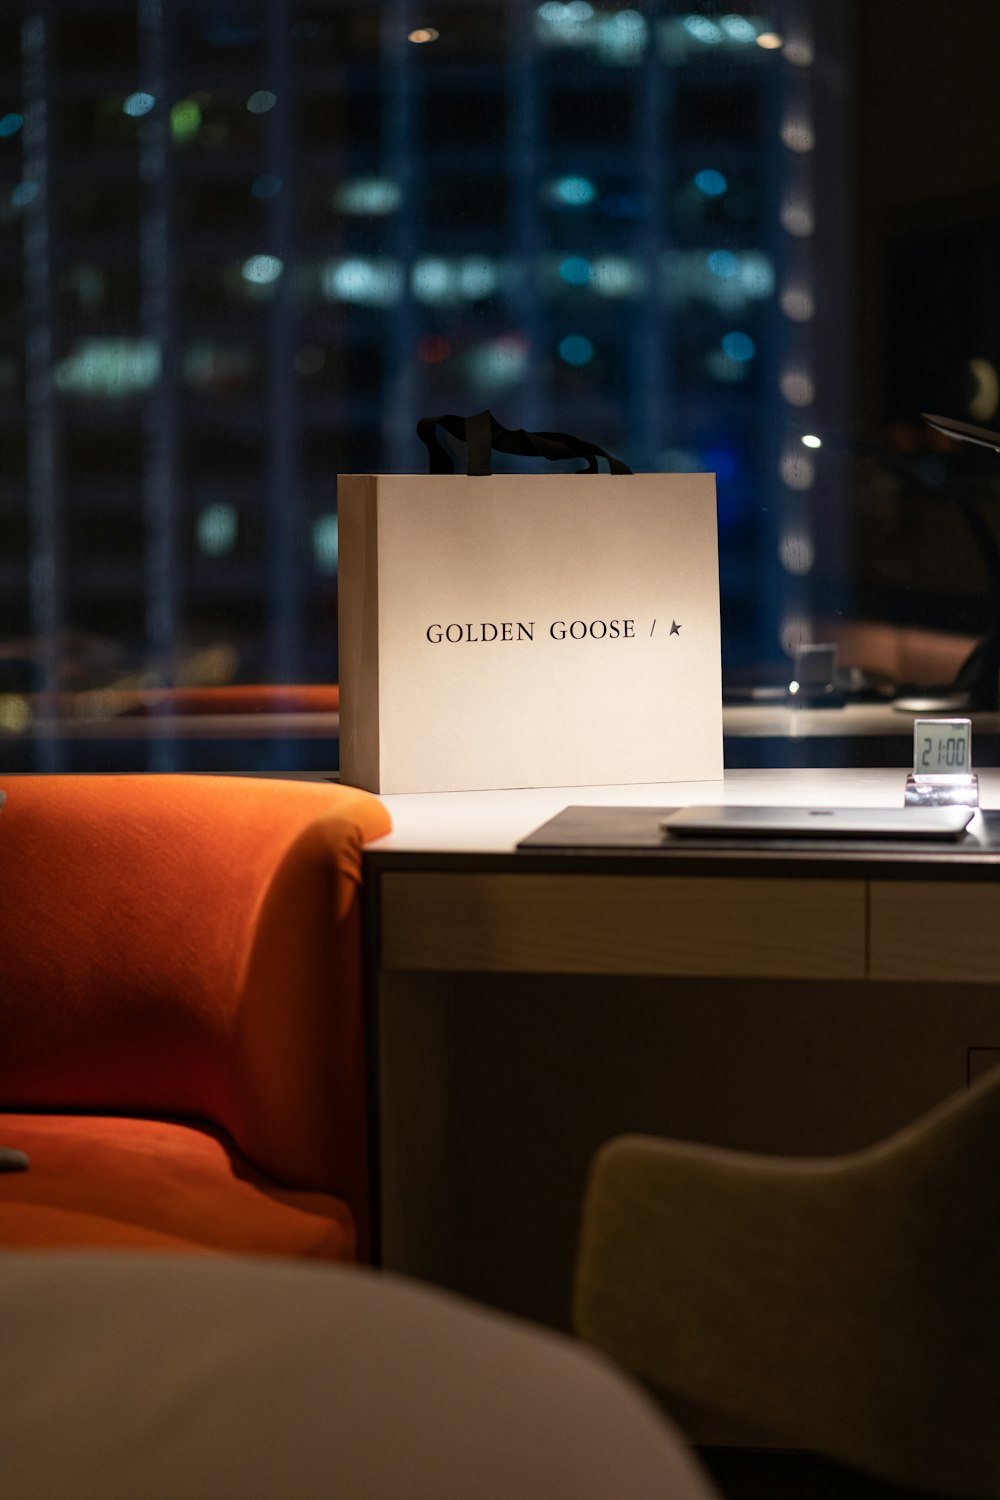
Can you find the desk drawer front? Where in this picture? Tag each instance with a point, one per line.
(923, 929)
(637, 924)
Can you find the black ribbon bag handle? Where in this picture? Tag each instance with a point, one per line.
(483, 435)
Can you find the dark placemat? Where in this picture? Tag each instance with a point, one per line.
(609, 828)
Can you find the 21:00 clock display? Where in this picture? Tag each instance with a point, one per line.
(941, 745)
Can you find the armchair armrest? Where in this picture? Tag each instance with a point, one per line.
(849, 1306)
(189, 946)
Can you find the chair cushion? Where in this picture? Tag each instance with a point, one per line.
(156, 1185)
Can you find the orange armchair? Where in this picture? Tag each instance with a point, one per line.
(180, 1007)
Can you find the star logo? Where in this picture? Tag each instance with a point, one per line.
(675, 629)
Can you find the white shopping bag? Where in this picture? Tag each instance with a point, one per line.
(527, 630)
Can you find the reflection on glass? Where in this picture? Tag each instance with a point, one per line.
(259, 241)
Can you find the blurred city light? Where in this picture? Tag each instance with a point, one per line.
(797, 134)
(738, 28)
(262, 101)
(574, 192)
(799, 52)
(565, 24)
(796, 552)
(739, 346)
(723, 263)
(575, 269)
(797, 470)
(797, 387)
(703, 30)
(439, 279)
(216, 528)
(499, 363)
(683, 38)
(109, 368)
(477, 277)
(432, 280)
(372, 283)
(726, 279)
(794, 632)
(326, 543)
(576, 349)
(185, 120)
(756, 274)
(617, 276)
(797, 303)
(135, 105)
(713, 184)
(262, 269)
(796, 217)
(620, 38)
(369, 195)
(15, 713)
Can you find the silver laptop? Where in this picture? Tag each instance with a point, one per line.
(819, 822)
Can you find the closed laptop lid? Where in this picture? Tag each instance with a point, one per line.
(819, 822)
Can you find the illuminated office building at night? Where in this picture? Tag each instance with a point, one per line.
(246, 245)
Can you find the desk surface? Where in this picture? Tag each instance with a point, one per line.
(493, 822)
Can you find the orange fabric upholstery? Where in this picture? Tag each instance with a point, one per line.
(157, 1185)
(186, 949)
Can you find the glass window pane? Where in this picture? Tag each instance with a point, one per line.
(244, 246)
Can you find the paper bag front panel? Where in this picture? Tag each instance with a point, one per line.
(543, 630)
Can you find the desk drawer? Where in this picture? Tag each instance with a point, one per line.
(924, 929)
(633, 924)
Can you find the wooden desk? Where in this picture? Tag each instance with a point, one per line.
(528, 1006)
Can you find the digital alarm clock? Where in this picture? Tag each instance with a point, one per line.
(942, 747)
(942, 774)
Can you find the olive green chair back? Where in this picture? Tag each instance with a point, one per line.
(849, 1306)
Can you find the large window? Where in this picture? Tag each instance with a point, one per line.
(246, 244)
